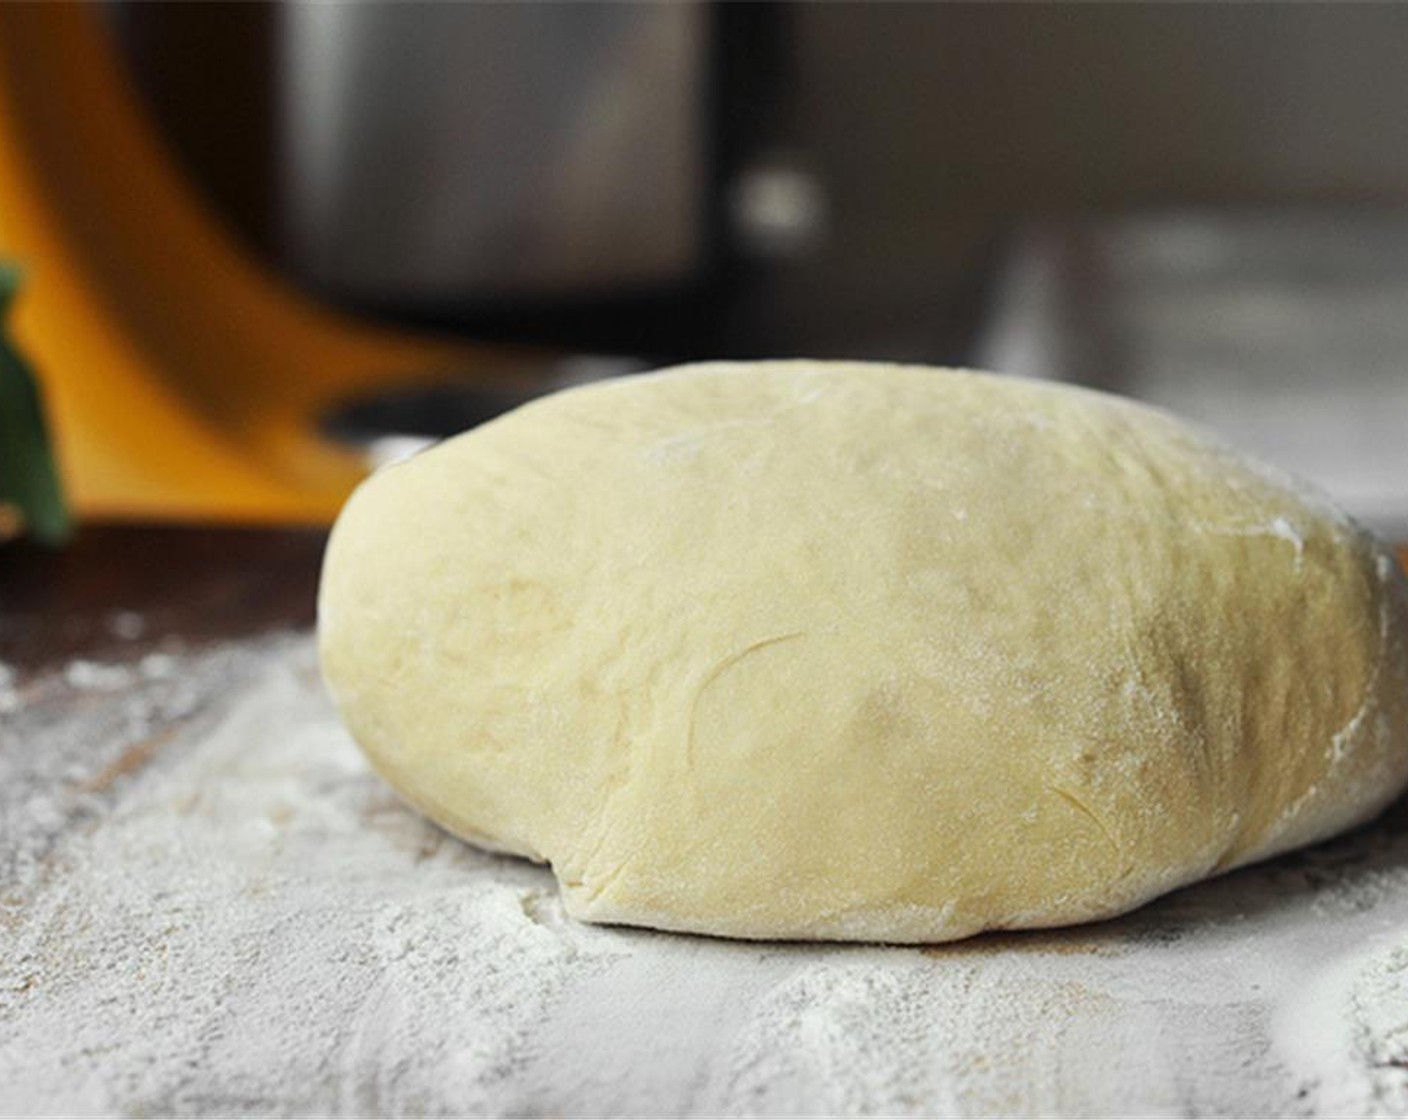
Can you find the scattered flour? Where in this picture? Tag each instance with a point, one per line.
(126, 625)
(1282, 528)
(209, 905)
(97, 676)
(1347, 1031)
(105, 676)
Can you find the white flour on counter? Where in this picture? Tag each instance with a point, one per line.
(209, 905)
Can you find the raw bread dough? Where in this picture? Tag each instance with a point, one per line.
(864, 652)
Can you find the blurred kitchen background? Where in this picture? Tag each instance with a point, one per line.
(1205, 206)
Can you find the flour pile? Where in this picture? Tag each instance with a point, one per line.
(209, 905)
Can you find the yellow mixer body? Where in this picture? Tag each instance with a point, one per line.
(182, 379)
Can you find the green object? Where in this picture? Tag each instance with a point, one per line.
(29, 480)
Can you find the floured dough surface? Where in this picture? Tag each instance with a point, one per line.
(825, 650)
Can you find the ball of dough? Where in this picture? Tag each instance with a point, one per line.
(864, 652)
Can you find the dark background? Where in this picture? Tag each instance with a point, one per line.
(932, 132)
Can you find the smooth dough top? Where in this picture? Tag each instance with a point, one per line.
(853, 651)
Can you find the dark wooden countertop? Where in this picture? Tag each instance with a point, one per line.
(118, 591)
